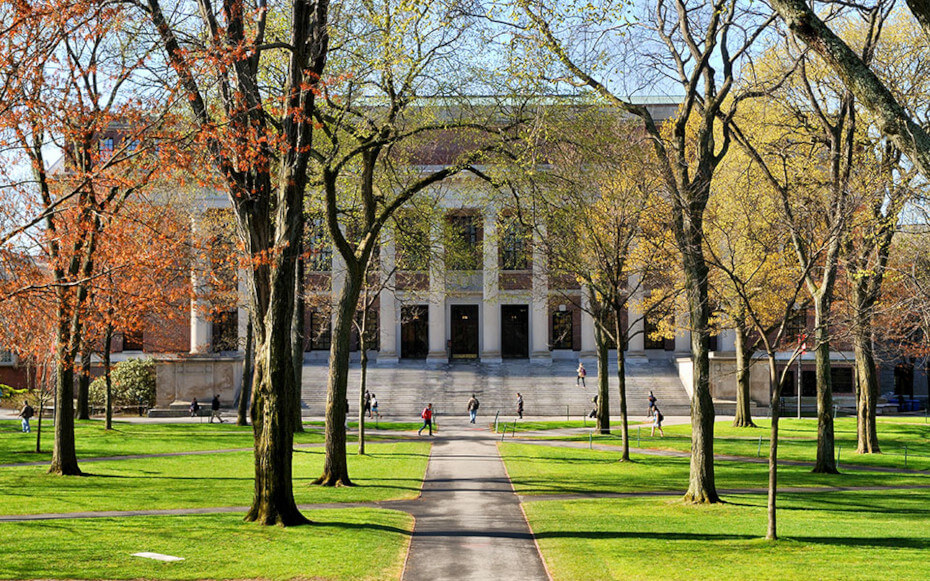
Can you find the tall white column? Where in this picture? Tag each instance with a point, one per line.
(491, 320)
(636, 347)
(588, 348)
(726, 341)
(539, 337)
(387, 310)
(682, 335)
(437, 297)
(201, 326)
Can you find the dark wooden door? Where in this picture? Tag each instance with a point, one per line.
(464, 331)
(414, 332)
(515, 331)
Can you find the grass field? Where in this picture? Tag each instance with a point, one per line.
(356, 544)
(388, 471)
(536, 469)
(797, 440)
(837, 535)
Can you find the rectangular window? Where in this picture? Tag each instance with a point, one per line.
(515, 245)
(6, 356)
(562, 330)
(796, 327)
(318, 249)
(226, 331)
(319, 336)
(463, 248)
(133, 341)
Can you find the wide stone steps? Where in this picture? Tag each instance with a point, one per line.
(549, 389)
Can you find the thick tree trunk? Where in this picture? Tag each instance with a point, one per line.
(701, 486)
(107, 344)
(603, 379)
(744, 352)
(826, 458)
(248, 370)
(298, 333)
(64, 456)
(335, 467)
(83, 394)
(866, 385)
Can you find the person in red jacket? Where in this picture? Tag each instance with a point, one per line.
(427, 416)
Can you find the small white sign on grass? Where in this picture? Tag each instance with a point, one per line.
(157, 556)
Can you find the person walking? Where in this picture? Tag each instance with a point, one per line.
(195, 408)
(593, 411)
(582, 373)
(374, 406)
(26, 413)
(215, 407)
(473, 408)
(657, 418)
(519, 405)
(427, 416)
(652, 405)
(367, 409)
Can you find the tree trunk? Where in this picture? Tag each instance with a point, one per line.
(701, 486)
(744, 352)
(866, 385)
(335, 467)
(826, 458)
(107, 344)
(64, 456)
(245, 392)
(775, 387)
(603, 378)
(298, 331)
(621, 385)
(83, 394)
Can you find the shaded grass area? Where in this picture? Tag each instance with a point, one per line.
(377, 425)
(388, 471)
(836, 535)
(536, 469)
(349, 544)
(797, 440)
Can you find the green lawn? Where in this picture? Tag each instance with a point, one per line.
(849, 535)
(351, 544)
(388, 471)
(797, 440)
(536, 469)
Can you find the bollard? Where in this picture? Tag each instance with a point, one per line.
(759, 450)
(497, 415)
(567, 417)
(905, 457)
(513, 434)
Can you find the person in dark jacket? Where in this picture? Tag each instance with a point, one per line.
(26, 413)
(195, 407)
(473, 408)
(215, 406)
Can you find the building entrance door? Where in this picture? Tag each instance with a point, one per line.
(464, 331)
(515, 331)
(414, 332)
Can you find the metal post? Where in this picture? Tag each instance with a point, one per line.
(567, 417)
(513, 434)
(497, 415)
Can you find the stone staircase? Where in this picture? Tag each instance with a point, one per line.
(549, 389)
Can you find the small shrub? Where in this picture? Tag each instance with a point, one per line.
(132, 381)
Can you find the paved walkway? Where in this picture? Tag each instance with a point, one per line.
(469, 523)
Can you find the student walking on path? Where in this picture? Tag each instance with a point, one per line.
(657, 418)
(519, 405)
(194, 408)
(26, 413)
(473, 408)
(427, 416)
(652, 405)
(374, 406)
(582, 373)
(215, 407)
